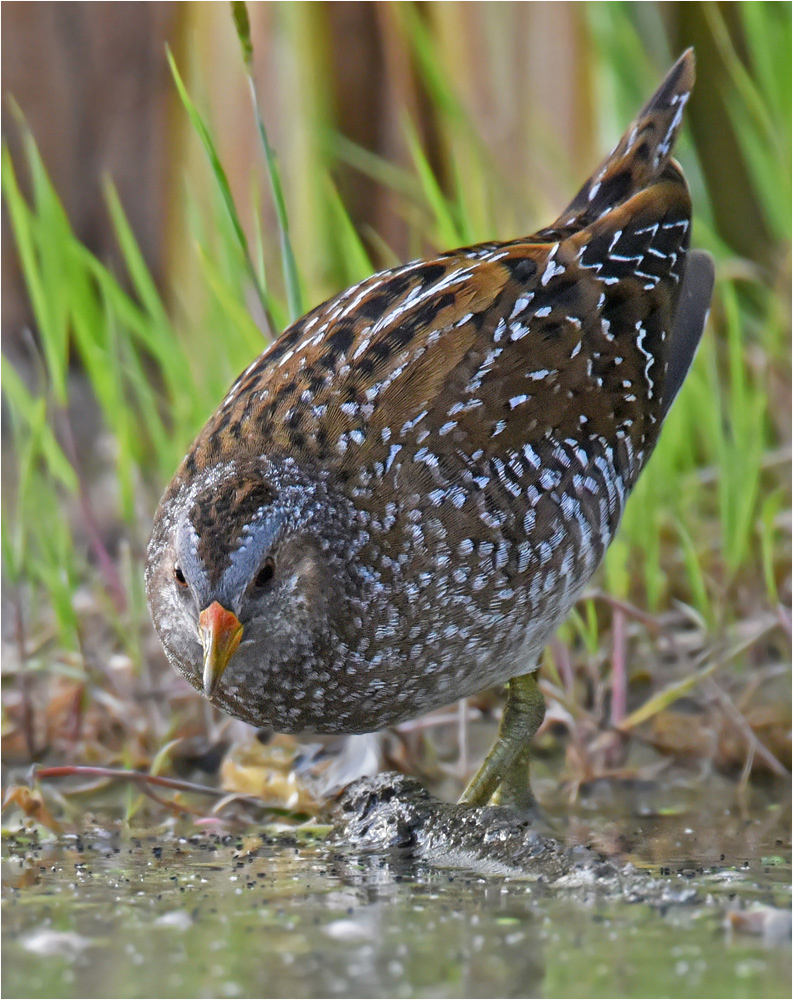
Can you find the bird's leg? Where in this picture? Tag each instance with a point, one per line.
(515, 788)
(503, 778)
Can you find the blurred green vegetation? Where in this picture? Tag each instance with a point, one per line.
(708, 526)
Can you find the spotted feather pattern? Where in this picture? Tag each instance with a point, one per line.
(477, 421)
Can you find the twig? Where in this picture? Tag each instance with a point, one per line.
(784, 619)
(441, 719)
(756, 681)
(665, 697)
(631, 611)
(174, 807)
(106, 564)
(136, 777)
(573, 707)
(561, 656)
(24, 678)
(462, 736)
(780, 456)
(619, 681)
(754, 744)
(743, 784)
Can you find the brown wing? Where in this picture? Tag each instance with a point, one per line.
(390, 341)
(489, 348)
(571, 343)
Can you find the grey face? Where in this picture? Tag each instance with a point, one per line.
(254, 551)
(247, 575)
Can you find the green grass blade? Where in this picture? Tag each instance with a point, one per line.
(31, 410)
(352, 251)
(219, 175)
(288, 262)
(49, 318)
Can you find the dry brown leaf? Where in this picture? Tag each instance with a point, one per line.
(268, 772)
(31, 802)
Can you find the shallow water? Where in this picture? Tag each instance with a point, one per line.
(280, 916)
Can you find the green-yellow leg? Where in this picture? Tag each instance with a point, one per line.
(503, 778)
(515, 788)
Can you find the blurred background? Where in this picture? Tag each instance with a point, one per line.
(138, 275)
(514, 87)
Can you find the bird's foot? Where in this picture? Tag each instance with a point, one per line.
(503, 778)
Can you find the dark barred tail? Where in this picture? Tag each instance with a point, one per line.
(641, 156)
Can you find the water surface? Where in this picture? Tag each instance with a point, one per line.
(205, 915)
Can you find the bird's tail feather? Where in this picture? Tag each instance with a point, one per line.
(641, 155)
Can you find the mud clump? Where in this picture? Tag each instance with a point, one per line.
(393, 812)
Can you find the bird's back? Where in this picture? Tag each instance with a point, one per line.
(484, 415)
(501, 343)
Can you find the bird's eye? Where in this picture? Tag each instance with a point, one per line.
(179, 576)
(265, 574)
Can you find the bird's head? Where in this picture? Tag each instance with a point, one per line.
(241, 567)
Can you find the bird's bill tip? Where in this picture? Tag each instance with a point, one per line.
(220, 632)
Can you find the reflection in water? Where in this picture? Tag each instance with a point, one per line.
(211, 917)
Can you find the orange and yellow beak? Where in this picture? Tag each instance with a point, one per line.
(220, 631)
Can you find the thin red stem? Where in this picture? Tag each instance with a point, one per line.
(137, 777)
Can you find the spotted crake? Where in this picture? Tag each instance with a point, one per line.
(397, 504)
